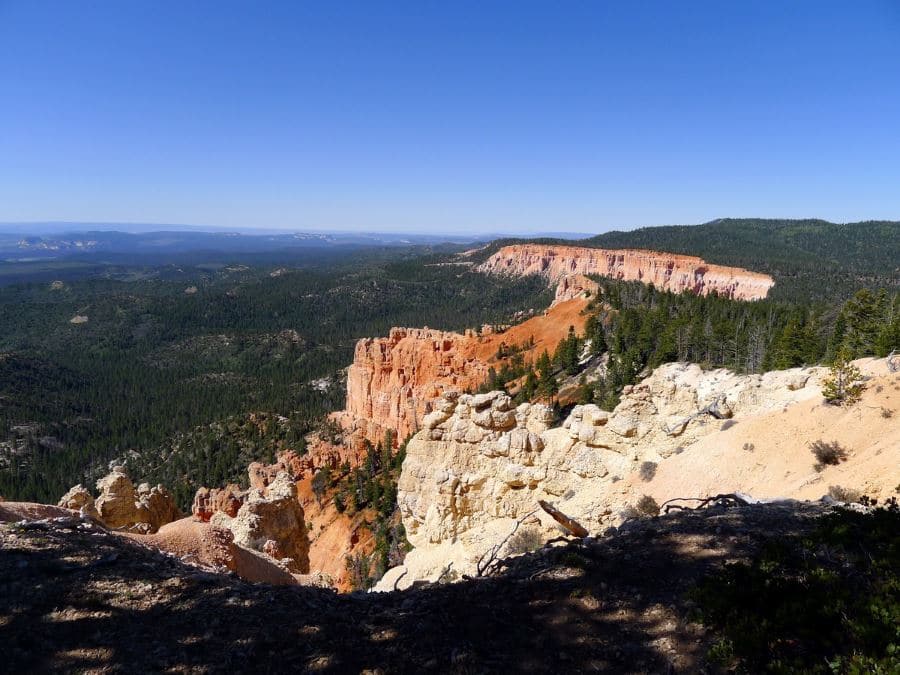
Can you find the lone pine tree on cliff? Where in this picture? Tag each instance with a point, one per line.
(844, 385)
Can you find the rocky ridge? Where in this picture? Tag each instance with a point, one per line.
(667, 271)
(480, 466)
(77, 599)
(394, 381)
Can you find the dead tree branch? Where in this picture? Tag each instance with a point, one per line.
(572, 526)
(724, 500)
(397, 580)
(488, 561)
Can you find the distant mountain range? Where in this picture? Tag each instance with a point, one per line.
(29, 246)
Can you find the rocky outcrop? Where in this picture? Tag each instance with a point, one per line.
(144, 509)
(271, 520)
(479, 465)
(208, 501)
(394, 381)
(667, 271)
(79, 498)
(121, 506)
(214, 548)
(573, 286)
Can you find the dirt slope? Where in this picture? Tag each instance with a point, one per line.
(770, 455)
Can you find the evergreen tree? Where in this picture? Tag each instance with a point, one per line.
(844, 384)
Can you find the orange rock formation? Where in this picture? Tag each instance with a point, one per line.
(394, 381)
(667, 271)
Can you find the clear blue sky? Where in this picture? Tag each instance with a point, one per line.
(448, 116)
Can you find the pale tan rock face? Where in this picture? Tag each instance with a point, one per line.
(143, 509)
(667, 271)
(271, 520)
(572, 286)
(208, 501)
(471, 472)
(79, 498)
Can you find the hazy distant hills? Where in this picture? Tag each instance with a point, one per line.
(20, 245)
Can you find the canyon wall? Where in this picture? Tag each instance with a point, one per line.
(394, 381)
(667, 271)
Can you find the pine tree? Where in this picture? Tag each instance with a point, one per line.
(843, 386)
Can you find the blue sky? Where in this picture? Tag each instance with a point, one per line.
(448, 116)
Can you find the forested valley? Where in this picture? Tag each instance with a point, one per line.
(98, 368)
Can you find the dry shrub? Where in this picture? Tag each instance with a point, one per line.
(647, 506)
(827, 454)
(527, 539)
(647, 471)
(842, 494)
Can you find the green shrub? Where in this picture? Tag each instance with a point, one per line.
(829, 603)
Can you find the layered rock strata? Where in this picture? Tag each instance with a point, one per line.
(394, 381)
(667, 271)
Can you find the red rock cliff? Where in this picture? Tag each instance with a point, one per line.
(394, 380)
(667, 271)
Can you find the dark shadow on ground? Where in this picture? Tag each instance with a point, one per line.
(75, 601)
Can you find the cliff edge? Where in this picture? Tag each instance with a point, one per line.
(666, 271)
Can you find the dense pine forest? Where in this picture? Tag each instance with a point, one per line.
(641, 328)
(161, 363)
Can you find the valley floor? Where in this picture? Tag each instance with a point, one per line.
(81, 599)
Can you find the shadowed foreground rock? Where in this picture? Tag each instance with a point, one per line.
(78, 599)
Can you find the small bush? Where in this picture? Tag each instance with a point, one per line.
(824, 603)
(749, 447)
(887, 413)
(629, 513)
(359, 567)
(842, 494)
(647, 506)
(827, 454)
(648, 471)
(844, 385)
(525, 540)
